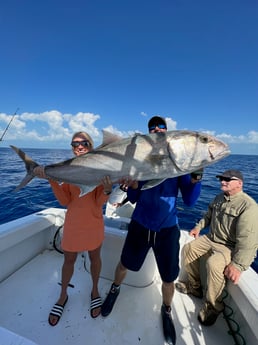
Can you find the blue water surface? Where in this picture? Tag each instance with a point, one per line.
(37, 195)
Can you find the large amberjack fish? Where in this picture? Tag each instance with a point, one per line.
(153, 157)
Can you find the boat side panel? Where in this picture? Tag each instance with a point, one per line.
(24, 238)
(243, 299)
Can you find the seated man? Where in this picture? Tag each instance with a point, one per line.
(228, 249)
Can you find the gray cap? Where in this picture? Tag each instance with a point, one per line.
(234, 174)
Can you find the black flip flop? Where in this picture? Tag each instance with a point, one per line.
(95, 304)
(57, 311)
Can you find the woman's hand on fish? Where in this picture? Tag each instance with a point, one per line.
(107, 184)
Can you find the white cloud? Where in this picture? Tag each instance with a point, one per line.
(83, 121)
(250, 137)
(114, 130)
(49, 125)
(171, 124)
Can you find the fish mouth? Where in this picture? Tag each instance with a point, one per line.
(224, 153)
(217, 152)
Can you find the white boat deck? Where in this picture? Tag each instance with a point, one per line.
(27, 296)
(30, 273)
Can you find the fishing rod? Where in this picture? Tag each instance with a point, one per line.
(6, 129)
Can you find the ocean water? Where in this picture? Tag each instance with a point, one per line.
(37, 195)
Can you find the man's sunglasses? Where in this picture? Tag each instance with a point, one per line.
(84, 143)
(160, 126)
(227, 179)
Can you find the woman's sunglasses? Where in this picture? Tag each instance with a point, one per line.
(84, 143)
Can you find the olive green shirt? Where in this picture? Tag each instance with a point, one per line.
(233, 221)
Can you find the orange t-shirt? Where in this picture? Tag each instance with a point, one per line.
(84, 223)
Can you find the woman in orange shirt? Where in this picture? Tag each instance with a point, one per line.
(83, 228)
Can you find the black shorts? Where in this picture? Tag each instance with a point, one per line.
(165, 245)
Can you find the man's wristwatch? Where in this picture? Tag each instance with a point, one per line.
(197, 175)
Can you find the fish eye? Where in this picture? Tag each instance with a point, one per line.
(203, 139)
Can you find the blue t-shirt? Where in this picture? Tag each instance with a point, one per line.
(156, 207)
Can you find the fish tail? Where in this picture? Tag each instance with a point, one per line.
(29, 164)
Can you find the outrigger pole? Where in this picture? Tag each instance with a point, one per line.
(6, 129)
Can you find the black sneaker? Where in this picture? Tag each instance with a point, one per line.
(168, 325)
(109, 302)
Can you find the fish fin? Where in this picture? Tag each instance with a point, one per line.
(29, 164)
(85, 189)
(109, 138)
(152, 183)
(24, 182)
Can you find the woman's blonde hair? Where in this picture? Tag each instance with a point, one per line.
(85, 136)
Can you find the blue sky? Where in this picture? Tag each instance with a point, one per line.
(98, 64)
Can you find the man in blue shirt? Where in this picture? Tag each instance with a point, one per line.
(154, 225)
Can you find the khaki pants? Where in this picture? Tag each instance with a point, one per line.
(217, 257)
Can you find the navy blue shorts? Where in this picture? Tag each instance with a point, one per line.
(165, 245)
